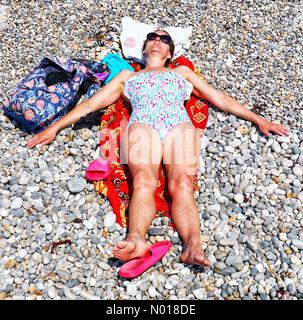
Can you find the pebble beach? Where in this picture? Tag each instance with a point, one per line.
(250, 198)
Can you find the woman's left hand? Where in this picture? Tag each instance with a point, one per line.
(266, 127)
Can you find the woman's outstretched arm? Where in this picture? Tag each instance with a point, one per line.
(104, 98)
(228, 104)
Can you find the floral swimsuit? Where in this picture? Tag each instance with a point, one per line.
(157, 99)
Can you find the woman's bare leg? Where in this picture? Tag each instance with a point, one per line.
(144, 157)
(181, 164)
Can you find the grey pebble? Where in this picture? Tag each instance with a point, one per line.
(227, 242)
(228, 271)
(72, 283)
(156, 231)
(8, 288)
(16, 203)
(95, 239)
(144, 286)
(46, 258)
(76, 185)
(291, 289)
(18, 213)
(5, 203)
(104, 266)
(48, 228)
(276, 242)
(264, 296)
(254, 272)
(298, 244)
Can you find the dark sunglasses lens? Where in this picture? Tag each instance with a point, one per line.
(151, 36)
(165, 38)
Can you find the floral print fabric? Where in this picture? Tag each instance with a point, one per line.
(34, 105)
(157, 99)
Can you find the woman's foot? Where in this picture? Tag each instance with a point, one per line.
(194, 254)
(132, 247)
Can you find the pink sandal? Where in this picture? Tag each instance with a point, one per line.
(98, 170)
(133, 268)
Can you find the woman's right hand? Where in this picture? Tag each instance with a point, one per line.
(44, 137)
(102, 99)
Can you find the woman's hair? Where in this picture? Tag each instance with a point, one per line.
(171, 47)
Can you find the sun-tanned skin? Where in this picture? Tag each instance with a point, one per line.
(142, 208)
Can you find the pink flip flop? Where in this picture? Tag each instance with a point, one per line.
(98, 169)
(137, 266)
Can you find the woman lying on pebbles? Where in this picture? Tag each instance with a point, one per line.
(160, 130)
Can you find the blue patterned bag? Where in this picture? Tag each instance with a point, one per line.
(49, 92)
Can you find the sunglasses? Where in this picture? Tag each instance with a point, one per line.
(163, 37)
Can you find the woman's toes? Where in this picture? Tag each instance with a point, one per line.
(201, 259)
(130, 248)
(121, 245)
(194, 257)
(124, 250)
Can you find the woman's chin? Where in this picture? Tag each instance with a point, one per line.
(156, 49)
